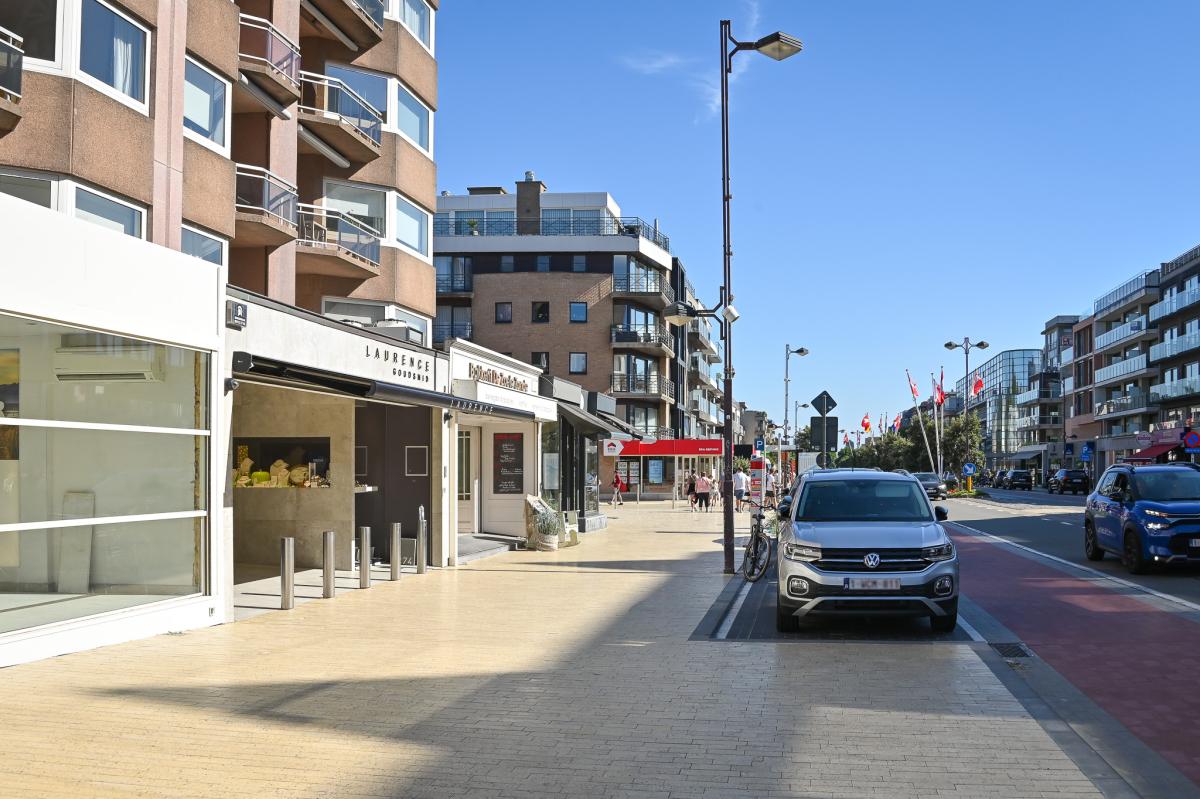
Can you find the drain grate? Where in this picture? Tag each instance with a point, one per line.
(1013, 650)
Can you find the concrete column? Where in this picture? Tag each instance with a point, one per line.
(170, 47)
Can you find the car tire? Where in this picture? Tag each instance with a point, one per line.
(1135, 561)
(947, 623)
(1091, 547)
(785, 622)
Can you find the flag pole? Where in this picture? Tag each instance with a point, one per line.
(921, 422)
(937, 433)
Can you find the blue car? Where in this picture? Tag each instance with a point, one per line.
(1145, 515)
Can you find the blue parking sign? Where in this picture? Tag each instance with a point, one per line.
(759, 444)
(1085, 453)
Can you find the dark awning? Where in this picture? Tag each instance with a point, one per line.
(1151, 453)
(619, 425)
(282, 372)
(583, 421)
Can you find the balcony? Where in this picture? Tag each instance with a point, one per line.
(1185, 387)
(1182, 300)
(643, 386)
(335, 244)
(12, 57)
(706, 412)
(700, 339)
(1176, 264)
(266, 207)
(270, 61)
(1038, 395)
(1176, 346)
(1038, 422)
(448, 330)
(1067, 355)
(652, 431)
(1131, 329)
(1126, 293)
(647, 338)
(702, 377)
(1133, 402)
(461, 283)
(357, 22)
(599, 226)
(652, 289)
(1121, 369)
(340, 117)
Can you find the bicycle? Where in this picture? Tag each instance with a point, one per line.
(758, 548)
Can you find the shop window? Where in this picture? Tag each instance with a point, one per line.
(540, 360)
(541, 313)
(578, 363)
(503, 313)
(579, 263)
(114, 50)
(543, 263)
(579, 312)
(205, 107)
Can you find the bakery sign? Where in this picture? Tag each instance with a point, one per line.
(487, 374)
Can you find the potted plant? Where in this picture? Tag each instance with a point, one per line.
(473, 224)
(549, 527)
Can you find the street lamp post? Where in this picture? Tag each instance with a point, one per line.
(966, 346)
(788, 352)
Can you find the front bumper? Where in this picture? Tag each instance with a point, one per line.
(827, 594)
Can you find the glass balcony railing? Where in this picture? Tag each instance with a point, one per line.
(653, 385)
(448, 330)
(643, 284)
(12, 56)
(1124, 403)
(258, 189)
(1180, 301)
(1121, 368)
(1176, 346)
(1038, 421)
(576, 226)
(332, 96)
(373, 9)
(1067, 355)
(327, 227)
(1125, 291)
(1184, 387)
(262, 42)
(1131, 328)
(455, 282)
(1036, 395)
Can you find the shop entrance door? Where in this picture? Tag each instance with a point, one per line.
(469, 500)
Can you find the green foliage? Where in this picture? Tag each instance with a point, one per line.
(742, 463)
(963, 442)
(550, 523)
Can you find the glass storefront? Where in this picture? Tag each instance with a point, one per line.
(104, 448)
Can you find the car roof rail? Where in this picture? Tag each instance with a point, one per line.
(1189, 464)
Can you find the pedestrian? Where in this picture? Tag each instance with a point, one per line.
(741, 484)
(715, 494)
(703, 490)
(770, 486)
(618, 485)
(691, 490)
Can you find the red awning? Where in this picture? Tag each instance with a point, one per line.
(1151, 454)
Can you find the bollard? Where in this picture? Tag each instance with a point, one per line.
(364, 557)
(395, 549)
(422, 534)
(287, 573)
(328, 542)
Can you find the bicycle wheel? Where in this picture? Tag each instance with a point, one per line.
(757, 557)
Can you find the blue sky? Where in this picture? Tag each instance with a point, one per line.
(922, 171)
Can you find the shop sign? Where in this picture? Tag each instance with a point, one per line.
(1144, 439)
(236, 314)
(667, 446)
(484, 374)
(613, 448)
(404, 364)
(508, 463)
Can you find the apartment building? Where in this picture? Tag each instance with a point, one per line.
(1040, 416)
(1177, 353)
(1006, 376)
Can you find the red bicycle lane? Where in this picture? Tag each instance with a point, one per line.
(1137, 662)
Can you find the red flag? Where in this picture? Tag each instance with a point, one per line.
(939, 394)
(896, 424)
(912, 384)
(846, 439)
(866, 422)
(977, 385)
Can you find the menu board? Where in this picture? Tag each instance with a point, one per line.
(508, 463)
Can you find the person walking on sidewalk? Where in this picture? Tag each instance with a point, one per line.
(770, 488)
(691, 490)
(703, 489)
(618, 485)
(741, 483)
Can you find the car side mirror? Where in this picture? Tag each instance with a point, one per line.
(940, 513)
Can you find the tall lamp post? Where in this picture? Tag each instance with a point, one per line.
(966, 346)
(788, 352)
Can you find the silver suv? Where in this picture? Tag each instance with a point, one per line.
(865, 542)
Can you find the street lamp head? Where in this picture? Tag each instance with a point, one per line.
(950, 345)
(730, 314)
(983, 345)
(801, 352)
(778, 45)
(804, 405)
(679, 313)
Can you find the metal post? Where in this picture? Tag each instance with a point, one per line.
(287, 573)
(328, 558)
(422, 534)
(787, 360)
(727, 297)
(395, 550)
(364, 557)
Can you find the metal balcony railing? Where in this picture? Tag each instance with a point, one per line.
(331, 96)
(1176, 346)
(1121, 368)
(1180, 301)
(258, 189)
(653, 385)
(641, 334)
(1146, 280)
(643, 284)
(446, 283)
(12, 57)
(1181, 261)
(1035, 395)
(261, 41)
(598, 226)
(327, 227)
(1184, 387)
(373, 9)
(1133, 327)
(1038, 421)
(447, 330)
(1123, 403)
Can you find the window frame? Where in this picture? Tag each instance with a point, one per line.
(142, 106)
(542, 259)
(385, 234)
(59, 64)
(512, 264)
(224, 242)
(500, 321)
(533, 304)
(571, 363)
(576, 260)
(387, 85)
(393, 224)
(395, 87)
(392, 12)
(204, 141)
(571, 313)
(55, 180)
(72, 204)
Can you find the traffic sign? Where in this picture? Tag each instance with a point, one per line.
(1069, 448)
(823, 403)
(1191, 441)
(1144, 439)
(1085, 453)
(968, 470)
(759, 444)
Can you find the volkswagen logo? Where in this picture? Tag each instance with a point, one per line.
(871, 560)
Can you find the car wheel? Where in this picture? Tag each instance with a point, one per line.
(1135, 562)
(785, 622)
(947, 623)
(1091, 547)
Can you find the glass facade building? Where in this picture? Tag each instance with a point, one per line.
(1005, 376)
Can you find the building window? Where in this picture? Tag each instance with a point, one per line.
(39, 191)
(541, 313)
(36, 21)
(543, 263)
(579, 263)
(464, 466)
(578, 363)
(367, 205)
(113, 50)
(108, 212)
(506, 263)
(503, 313)
(541, 360)
(203, 246)
(416, 15)
(579, 311)
(412, 117)
(412, 226)
(205, 107)
(367, 85)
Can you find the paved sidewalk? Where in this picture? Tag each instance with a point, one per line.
(524, 675)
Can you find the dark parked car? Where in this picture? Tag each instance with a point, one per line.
(934, 488)
(1018, 478)
(998, 478)
(1074, 480)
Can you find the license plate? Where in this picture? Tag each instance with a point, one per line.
(872, 583)
(1195, 543)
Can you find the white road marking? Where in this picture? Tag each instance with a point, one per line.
(734, 610)
(1096, 572)
(1068, 524)
(969, 630)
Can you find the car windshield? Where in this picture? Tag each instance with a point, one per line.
(863, 501)
(1018, 473)
(1076, 473)
(1165, 486)
(925, 476)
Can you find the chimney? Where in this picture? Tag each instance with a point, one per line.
(529, 205)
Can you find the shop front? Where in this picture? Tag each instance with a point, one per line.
(571, 452)
(106, 459)
(497, 459)
(659, 470)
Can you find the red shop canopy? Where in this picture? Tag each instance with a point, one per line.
(1150, 454)
(664, 446)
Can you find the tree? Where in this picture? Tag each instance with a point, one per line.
(804, 440)
(963, 442)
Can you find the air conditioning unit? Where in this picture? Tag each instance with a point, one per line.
(129, 364)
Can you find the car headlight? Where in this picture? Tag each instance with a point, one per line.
(942, 552)
(1155, 526)
(801, 552)
(1158, 513)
